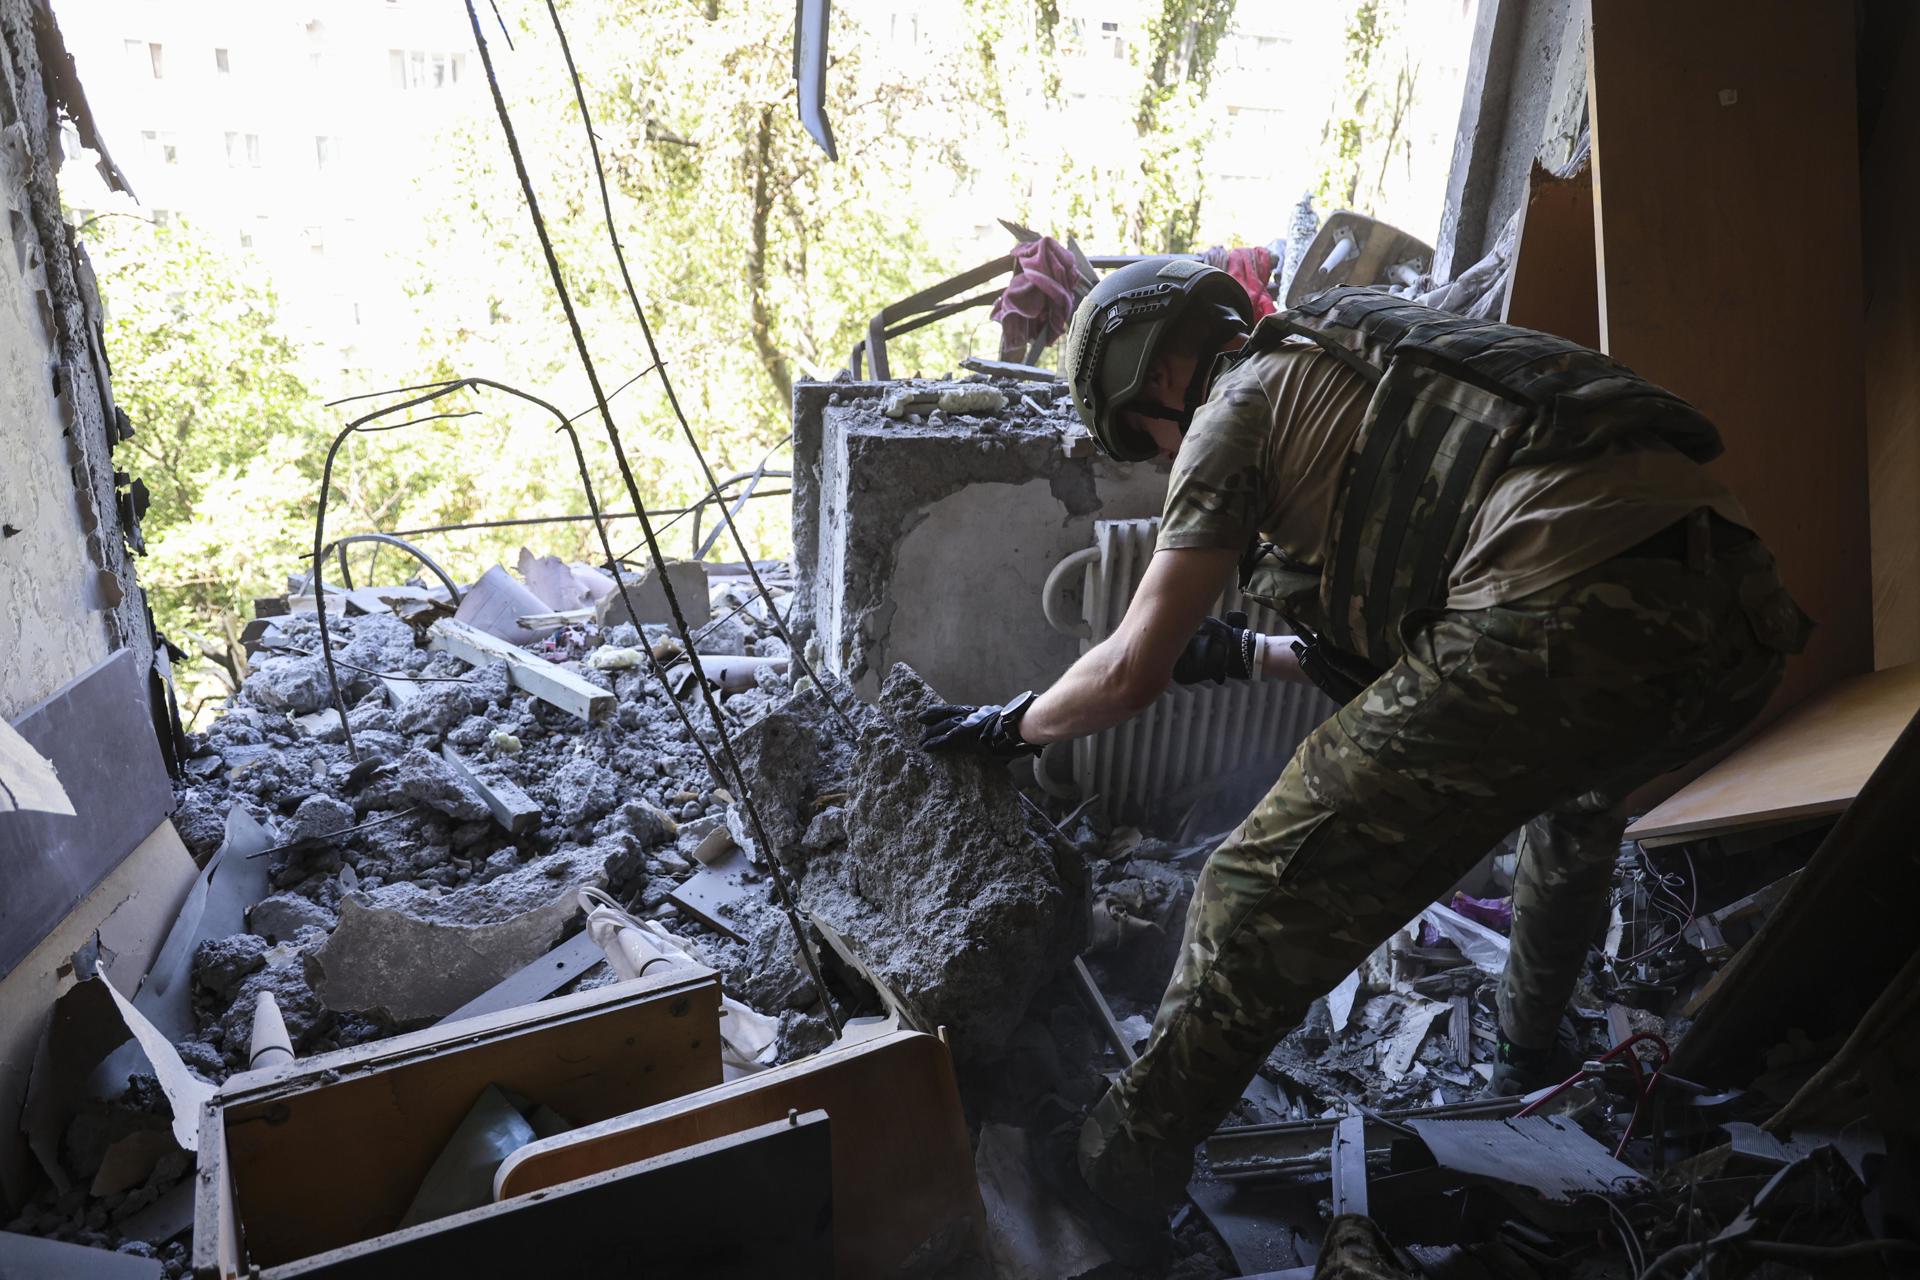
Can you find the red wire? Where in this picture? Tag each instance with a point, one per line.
(1643, 1084)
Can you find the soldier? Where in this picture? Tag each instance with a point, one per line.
(1501, 554)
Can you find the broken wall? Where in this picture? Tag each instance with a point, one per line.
(68, 597)
(1524, 98)
(926, 538)
(67, 590)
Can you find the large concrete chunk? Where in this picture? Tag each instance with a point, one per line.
(405, 969)
(941, 886)
(689, 581)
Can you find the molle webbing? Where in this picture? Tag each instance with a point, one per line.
(1456, 403)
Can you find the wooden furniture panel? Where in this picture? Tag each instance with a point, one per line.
(1555, 283)
(1726, 191)
(902, 1164)
(752, 1204)
(1890, 208)
(328, 1151)
(1809, 763)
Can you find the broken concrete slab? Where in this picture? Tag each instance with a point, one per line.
(688, 579)
(397, 966)
(941, 886)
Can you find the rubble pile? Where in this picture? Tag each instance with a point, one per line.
(396, 895)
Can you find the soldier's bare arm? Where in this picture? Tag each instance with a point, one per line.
(1123, 674)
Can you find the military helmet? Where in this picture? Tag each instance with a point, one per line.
(1117, 331)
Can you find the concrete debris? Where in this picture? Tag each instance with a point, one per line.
(316, 818)
(281, 917)
(689, 581)
(406, 969)
(940, 883)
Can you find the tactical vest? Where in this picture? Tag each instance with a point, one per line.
(1456, 402)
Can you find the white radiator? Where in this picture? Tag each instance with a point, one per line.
(1192, 734)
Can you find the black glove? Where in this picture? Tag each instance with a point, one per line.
(1220, 648)
(988, 731)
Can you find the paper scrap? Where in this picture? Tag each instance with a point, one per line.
(28, 781)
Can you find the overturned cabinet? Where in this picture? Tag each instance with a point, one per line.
(310, 1169)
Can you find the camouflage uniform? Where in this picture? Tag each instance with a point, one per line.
(1543, 711)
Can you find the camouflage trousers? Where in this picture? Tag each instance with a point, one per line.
(1545, 711)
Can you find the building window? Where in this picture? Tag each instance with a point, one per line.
(316, 241)
(421, 69)
(326, 151)
(1110, 34)
(161, 148)
(222, 65)
(243, 150)
(156, 58)
(246, 238)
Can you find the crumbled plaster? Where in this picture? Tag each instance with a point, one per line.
(66, 576)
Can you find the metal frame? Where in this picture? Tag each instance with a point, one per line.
(929, 305)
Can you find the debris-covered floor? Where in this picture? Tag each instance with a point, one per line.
(418, 875)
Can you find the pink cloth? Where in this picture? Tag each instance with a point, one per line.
(1250, 267)
(1038, 302)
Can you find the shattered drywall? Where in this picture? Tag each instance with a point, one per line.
(902, 524)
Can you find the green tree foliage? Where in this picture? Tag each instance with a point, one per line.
(758, 259)
(1359, 143)
(226, 438)
(759, 262)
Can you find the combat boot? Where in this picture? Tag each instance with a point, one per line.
(1519, 1069)
(1138, 1242)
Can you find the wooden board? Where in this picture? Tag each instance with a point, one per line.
(329, 1151)
(544, 680)
(1555, 282)
(1890, 207)
(1840, 936)
(741, 1207)
(902, 1163)
(1726, 192)
(1811, 761)
(98, 732)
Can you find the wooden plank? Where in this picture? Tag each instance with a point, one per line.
(902, 1163)
(1555, 282)
(1811, 761)
(550, 683)
(332, 1152)
(747, 1205)
(97, 731)
(512, 808)
(1726, 186)
(1890, 207)
(1840, 934)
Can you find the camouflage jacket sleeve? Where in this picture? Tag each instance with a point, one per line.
(1215, 495)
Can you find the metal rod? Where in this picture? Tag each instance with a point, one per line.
(565, 297)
